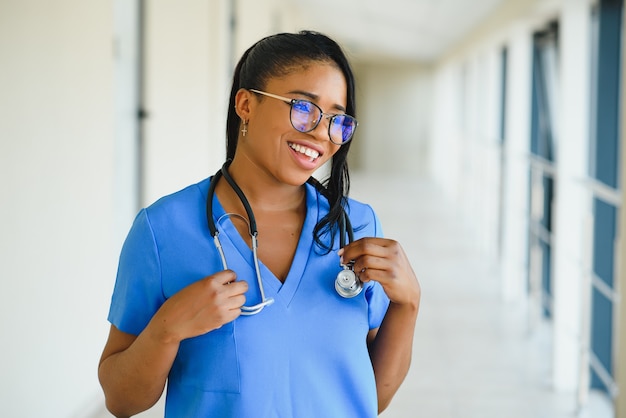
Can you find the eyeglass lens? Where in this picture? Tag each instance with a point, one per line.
(305, 116)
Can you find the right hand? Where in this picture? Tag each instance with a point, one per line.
(200, 307)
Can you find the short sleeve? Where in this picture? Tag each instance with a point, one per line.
(378, 302)
(138, 291)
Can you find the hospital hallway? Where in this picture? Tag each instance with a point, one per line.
(491, 143)
(474, 354)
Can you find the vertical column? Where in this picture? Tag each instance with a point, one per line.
(570, 207)
(127, 176)
(515, 225)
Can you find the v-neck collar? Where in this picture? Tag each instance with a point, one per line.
(273, 286)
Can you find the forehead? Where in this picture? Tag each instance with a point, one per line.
(323, 79)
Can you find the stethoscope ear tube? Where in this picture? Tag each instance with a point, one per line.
(265, 301)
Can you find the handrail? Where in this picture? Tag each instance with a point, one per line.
(602, 191)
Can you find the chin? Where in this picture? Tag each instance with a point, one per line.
(300, 180)
(297, 177)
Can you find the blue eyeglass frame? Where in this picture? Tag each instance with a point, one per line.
(330, 116)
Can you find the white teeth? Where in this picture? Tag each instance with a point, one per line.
(311, 153)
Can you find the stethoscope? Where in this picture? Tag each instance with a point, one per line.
(347, 284)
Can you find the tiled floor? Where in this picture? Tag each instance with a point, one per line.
(474, 356)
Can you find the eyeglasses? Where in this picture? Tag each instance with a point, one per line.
(306, 115)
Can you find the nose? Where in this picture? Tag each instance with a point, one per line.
(323, 127)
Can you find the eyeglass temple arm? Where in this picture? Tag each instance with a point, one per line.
(275, 96)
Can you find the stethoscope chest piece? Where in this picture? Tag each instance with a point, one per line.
(347, 284)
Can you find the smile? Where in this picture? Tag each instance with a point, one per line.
(309, 152)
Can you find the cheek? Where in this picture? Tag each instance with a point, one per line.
(269, 125)
(332, 151)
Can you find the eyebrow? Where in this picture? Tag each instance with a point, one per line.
(315, 97)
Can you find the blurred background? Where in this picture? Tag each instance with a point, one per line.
(490, 137)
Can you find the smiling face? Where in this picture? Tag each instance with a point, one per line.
(272, 146)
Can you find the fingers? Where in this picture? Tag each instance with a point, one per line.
(224, 297)
(374, 258)
(225, 283)
(203, 306)
(222, 277)
(373, 268)
(366, 274)
(384, 261)
(378, 247)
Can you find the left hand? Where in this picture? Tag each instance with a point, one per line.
(384, 260)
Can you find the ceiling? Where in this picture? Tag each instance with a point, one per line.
(416, 30)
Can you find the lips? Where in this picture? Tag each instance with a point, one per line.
(311, 153)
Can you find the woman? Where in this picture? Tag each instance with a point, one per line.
(213, 334)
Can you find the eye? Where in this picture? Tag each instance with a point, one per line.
(303, 106)
(342, 128)
(304, 115)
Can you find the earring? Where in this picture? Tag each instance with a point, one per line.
(244, 130)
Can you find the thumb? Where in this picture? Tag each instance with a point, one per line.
(223, 277)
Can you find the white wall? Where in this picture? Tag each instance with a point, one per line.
(256, 19)
(187, 85)
(445, 156)
(56, 218)
(394, 109)
(465, 143)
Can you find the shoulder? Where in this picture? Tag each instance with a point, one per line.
(363, 218)
(353, 207)
(180, 204)
(184, 210)
(357, 208)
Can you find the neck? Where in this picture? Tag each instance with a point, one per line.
(263, 191)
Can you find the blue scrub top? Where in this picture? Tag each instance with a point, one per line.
(303, 356)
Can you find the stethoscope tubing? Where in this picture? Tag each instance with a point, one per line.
(347, 284)
(245, 310)
(252, 230)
